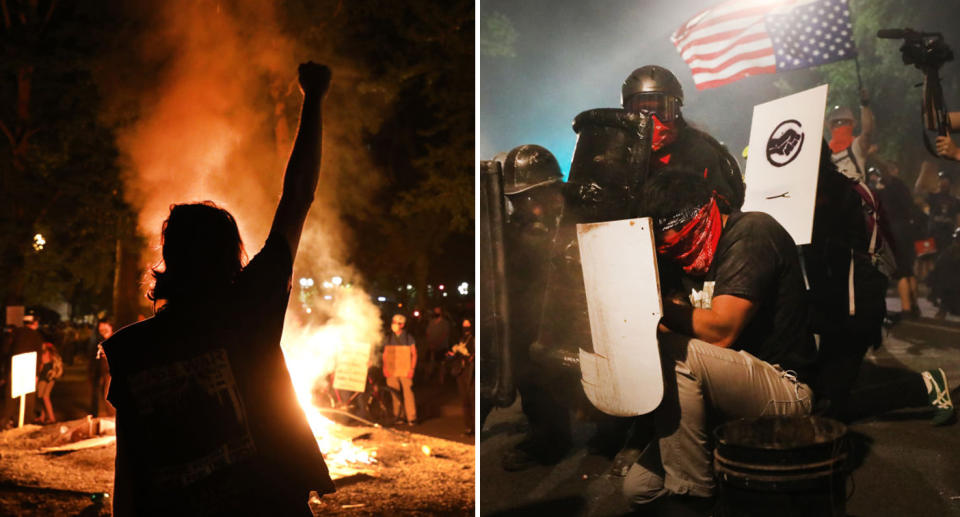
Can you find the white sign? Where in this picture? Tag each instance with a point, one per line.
(351, 371)
(784, 160)
(23, 376)
(623, 376)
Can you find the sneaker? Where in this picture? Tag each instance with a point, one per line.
(938, 392)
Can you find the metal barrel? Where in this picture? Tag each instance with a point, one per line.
(496, 370)
(609, 165)
(787, 466)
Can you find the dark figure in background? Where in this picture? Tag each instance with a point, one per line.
(848, 285)
(438, 338)
(460, 361)
(655, 91)
(51, 369)
(746, 351)
(20, 341)
(99, 372)
(944, 280)
(944, 211)
(906, 222)
(532, 183)
(207, 419)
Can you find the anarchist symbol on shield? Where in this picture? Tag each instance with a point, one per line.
(785, 143)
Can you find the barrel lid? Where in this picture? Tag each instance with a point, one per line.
(779, 432)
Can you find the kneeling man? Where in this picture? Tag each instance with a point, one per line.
(745, 349)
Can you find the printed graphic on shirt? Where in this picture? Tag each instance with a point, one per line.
(197, 398)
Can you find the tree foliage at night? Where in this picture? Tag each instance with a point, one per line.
(57, 161)
(420, 55)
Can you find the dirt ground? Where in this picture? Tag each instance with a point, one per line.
(414, 475)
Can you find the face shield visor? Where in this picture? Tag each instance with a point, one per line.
(666, 108)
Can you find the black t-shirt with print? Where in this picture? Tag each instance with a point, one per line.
(756, 259)
(207, 418)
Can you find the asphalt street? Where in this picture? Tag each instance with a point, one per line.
(903, 466)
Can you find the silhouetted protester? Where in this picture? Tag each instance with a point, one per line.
(207, 419)
(944, 211)
(99, 372)
(399, 365)
(438, 337)
(460, 361)
(51, 369)
(745, 352)
(24, 339)
(847, 268)
(905, 227)
(944, 280)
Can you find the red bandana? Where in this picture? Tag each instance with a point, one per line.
(841, 138)
(663, 134)
(694, 245)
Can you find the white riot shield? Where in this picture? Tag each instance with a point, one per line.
(622, 377)
(784, 160)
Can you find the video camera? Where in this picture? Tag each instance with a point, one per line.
(921, 49)
(928, 52)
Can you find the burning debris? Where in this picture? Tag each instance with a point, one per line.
(377, 472)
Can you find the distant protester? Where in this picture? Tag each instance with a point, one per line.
(51, 369)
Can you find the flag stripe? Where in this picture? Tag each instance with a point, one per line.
(743, 56)
(734, 69)
(722, 32)
(738, 38)
(723, 9)
(714, 50)
(760, 70)
(733, 19)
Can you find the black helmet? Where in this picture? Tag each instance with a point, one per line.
(651, 79)
(529, 166)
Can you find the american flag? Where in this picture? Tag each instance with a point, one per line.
(740, 38)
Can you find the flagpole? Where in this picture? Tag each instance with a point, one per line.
(856, 54)
(856, 61)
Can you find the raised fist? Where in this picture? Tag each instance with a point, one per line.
(314, 78)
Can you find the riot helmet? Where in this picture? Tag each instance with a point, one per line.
(652, 90)
(529, 166)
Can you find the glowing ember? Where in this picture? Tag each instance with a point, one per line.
(311, 354)
(425, 449)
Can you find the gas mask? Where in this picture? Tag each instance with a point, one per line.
(665, 113)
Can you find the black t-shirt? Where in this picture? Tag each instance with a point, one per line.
(756, 259)
(697, 151)
(207, 419)
(943, 213)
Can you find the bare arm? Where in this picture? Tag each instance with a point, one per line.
(954, 117)
(303, 168)
(720, 325)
